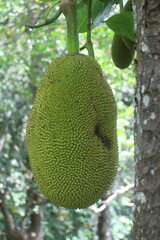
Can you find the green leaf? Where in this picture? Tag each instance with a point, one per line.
(80, 3)
(48, 0)
(122, 24)
(82, 19)
(116, 1)
(100, 11)
(85, 1)
(106, 1)
(109, 1)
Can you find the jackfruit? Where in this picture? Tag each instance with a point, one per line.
(128, 6)
(122, 49)
(121, 55)
(129, 43)
(71, 132)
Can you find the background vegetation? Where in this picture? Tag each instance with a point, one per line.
(25, 55)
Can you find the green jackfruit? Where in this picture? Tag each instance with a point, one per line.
(121, 55)
(128, 6)
(122, 49)
(71, 132)
(129, 43)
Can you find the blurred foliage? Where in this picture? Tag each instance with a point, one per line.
(25, 55)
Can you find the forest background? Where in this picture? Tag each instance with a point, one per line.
(25, 54)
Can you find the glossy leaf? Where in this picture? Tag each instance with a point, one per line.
(100, 11)
(122, 24)
(109, 1)
(46, 0)
(82, 19)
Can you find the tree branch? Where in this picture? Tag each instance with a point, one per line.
(17, 232)
(5, 21)
(110, 198)
(11, 229)
(36, 229)
(9, 221)
(88, 44)
(2, 140)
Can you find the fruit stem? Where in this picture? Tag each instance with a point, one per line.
(121, 6)
(69, 10)
(49, 10)
(48, 20)
(88, 44)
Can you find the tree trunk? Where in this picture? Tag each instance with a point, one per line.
(103, 223)
(147, 121)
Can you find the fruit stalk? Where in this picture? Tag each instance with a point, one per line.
(69, 10)
(89, 44)
(121, 6)
(47, 21)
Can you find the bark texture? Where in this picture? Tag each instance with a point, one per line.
(147, 121)
(102, 228)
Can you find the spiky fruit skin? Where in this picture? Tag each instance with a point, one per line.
(121, 55)
(71, 133)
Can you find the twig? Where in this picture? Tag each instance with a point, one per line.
(7, 216)
(5, 21)
(110, 198)
(88, 44)
(2, 140)
(47, 21)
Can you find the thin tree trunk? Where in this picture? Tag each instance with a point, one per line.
(147, 121)
(14, 232)
(103, 223)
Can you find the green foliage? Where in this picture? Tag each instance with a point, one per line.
(110, 1)
(122, 24)
(100, 11)
(106, 1)
(61, 223)
(47, 0)
(81, 3)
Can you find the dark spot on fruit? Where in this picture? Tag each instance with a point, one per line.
(106, 142)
